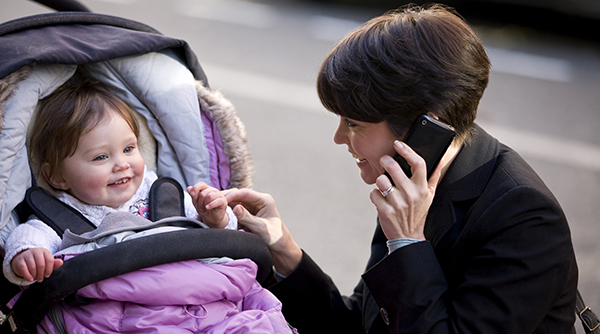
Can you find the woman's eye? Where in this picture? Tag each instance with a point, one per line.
(349, 123)
(101, 157)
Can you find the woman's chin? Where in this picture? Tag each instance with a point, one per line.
(368, 178)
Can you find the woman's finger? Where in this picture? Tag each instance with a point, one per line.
(270, 230)
(417, 165)
(248, 198)
(385, 186)
(259, 204)
(244, 217)
(252, 223)
(395, 171)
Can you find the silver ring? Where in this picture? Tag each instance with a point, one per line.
(388, 191)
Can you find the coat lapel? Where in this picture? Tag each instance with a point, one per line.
(464, 182)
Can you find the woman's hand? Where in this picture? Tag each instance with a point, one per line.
(257, 213)
(403, 211)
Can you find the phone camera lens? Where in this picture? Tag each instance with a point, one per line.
(424, 122)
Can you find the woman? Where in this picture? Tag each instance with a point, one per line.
(481, 247)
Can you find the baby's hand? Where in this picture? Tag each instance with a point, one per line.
(35, 264)
(210, 204)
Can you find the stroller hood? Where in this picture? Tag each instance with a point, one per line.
(192, 133)
(82, 38)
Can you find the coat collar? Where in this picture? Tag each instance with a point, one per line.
(464, 181)
(472, 168)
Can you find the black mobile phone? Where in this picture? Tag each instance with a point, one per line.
(430, 139)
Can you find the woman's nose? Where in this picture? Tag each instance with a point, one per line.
(339, 137)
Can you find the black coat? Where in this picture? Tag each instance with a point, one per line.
(498, 259)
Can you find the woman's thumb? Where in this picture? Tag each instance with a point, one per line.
(242, 214)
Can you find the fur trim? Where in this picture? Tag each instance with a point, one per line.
(8, 85)
(233, 135)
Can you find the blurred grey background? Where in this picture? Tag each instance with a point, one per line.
(543, 100)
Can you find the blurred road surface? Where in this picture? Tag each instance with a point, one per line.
(542, 100)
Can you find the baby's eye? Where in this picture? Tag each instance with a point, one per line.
(101, 157)
(129, 149)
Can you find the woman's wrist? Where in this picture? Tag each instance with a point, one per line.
(286, 263)
(286, 254)
(394, 244)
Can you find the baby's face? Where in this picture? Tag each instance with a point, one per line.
(107, 167)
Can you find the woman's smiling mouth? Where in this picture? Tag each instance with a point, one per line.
(358, 159)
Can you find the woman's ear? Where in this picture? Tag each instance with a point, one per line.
(55, 180)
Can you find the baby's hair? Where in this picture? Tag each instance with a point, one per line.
(66, 115)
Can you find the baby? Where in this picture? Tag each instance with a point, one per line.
(84, 145)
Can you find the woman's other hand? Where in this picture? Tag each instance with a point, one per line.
(403, 211)
(257, 213)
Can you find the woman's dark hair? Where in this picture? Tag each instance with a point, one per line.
(65, 116)
(405, 63)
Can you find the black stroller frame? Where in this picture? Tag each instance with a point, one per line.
(33, 40)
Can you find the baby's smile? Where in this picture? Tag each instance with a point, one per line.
(121, 181)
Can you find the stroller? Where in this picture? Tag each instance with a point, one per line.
(161, 79)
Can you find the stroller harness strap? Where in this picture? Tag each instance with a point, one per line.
(166, 200)
(55, 213)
